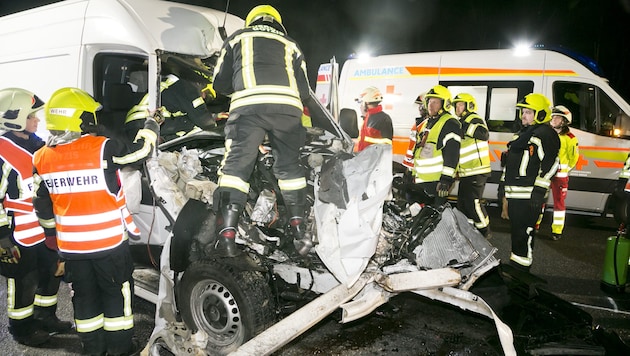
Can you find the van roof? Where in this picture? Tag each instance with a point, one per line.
(145, 24)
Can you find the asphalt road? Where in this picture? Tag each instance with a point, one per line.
(413, 325)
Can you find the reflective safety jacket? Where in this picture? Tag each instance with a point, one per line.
(437, 154)
(532, 160)
(415, 131)
(377, 128)
(89, 216)
(16, 192)
(568, 154)
(263, 70)
(474, 154)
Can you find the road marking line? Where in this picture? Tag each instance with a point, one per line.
(617, 311)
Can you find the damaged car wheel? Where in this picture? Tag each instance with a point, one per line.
(229, 304)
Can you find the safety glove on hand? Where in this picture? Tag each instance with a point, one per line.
(9, 252)
(444, 186)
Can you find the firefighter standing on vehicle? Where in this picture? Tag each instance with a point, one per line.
(377, 125)
(28, 255)
(530, 163)
(474, 162)
(78, 193)
(265, 73)
(437, 153)
(567, 158)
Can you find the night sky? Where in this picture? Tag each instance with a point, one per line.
(327, 28)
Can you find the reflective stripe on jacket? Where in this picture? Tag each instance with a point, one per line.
(428, 157)
(27, 231)
(568, 154)
(474, 157)
(88, 217)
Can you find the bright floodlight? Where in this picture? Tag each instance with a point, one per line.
(521, 49)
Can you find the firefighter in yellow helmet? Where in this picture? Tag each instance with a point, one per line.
(77, 192)
(474, 162)
(530, 163)
(377, 125)
(437, 150)
(28, 254)
(264, 72)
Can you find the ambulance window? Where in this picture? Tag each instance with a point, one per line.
(502, 113)
(579, 98)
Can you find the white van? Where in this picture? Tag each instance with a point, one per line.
(498, 79)
(113, 49)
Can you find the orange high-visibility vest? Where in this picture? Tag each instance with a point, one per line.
(89, 218)
(27, 231)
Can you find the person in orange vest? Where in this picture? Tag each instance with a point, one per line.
(567, 157)
(377, 125)
(28, 255)
(78, 193)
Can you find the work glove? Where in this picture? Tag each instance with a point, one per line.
(620, 188)
(444, 187)
(61, 268)
(9, 252)
(538, 199)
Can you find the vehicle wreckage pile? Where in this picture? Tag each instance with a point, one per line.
(368, 246)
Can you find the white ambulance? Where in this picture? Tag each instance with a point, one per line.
(498, 79)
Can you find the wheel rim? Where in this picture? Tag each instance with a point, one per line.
(214, 310)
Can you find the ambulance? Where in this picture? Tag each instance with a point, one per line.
(498, 79)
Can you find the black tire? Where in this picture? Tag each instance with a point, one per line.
(228, 304)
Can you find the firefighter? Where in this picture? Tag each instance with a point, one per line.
(183, 110)
(415, 129)
(567, 158)
(377, 125)
(28, 255)
(530, 163)
(265, 73)
(474, 162)
(437, 153)
(77, 192)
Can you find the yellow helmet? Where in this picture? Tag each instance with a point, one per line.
(262, 10)
(15, 106)
(471, 103)
(71, 109)
(440, 92)
(540, 104)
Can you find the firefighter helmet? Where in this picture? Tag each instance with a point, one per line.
(540, 104)
(561, 110)
(471, 103)
(440, 92)
(15, 107)
(71, 109)
(370, 95)
(260, 11)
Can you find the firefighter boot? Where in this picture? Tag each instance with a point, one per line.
(297, 230)
(227, 222)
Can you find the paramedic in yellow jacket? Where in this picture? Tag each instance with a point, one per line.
(78, 193)
(437, 152)
(568, 157)
(474, 162)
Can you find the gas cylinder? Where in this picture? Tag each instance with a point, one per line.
(615, 274)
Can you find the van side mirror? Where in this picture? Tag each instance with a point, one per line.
(348, 122)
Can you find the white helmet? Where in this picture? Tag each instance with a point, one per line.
(370, 95)
(15, 106)
(561, 110)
